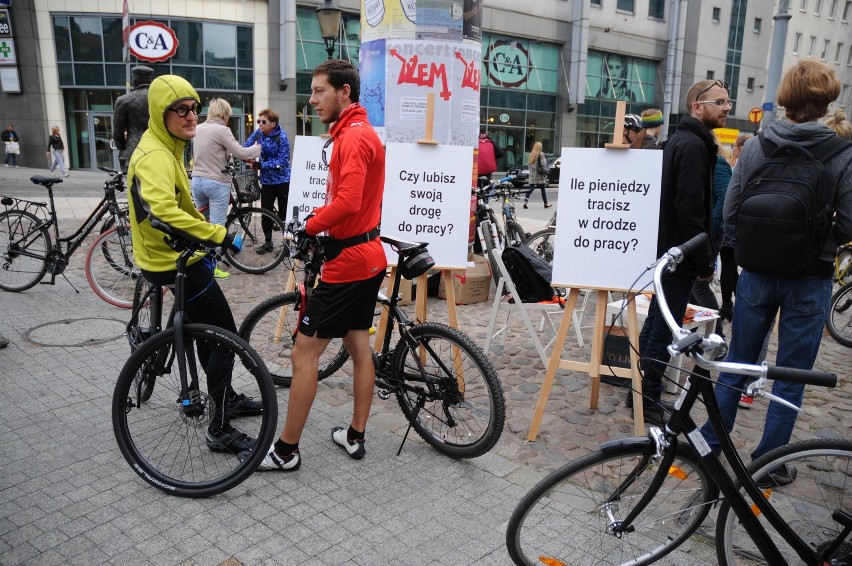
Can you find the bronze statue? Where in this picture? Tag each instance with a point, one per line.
(131, 114)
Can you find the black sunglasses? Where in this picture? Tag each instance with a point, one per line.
(184, 109)
(717, 82)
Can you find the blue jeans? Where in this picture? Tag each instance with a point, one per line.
(656, 335)
(58, 161)
(13, 157)
(803, 304)
(216, 194)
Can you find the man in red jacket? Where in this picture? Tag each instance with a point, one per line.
(342, 304)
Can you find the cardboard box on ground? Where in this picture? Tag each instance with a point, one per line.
(471, 286)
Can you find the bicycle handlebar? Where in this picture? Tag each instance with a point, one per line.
(714, 343)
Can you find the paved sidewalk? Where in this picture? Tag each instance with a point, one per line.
(68, 497)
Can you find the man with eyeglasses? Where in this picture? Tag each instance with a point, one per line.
(689, 157)
(342, 304)
(159, 189)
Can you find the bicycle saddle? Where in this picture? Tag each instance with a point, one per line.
(403, 247)
(45, 180)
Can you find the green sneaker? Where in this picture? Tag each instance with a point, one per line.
(219, 274)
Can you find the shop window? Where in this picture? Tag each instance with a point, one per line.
(245, 48)
(112, 36)
(220, 79)
(89, 75)
(220, 45)
(620, 77)
(116, 75)
(195, 75)
(189, 49)
(62, 39)
(86, 40)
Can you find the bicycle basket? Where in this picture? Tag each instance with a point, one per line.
(248, 189)
(416, 264)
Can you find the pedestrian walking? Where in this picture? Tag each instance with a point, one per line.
(55, 147)
(799, 294)
(689, 157)
(342, 304)
(274, 168)
(539, 174)
(13, 146)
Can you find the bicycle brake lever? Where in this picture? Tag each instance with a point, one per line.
(777, 399)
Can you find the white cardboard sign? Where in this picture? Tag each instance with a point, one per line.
(307, 175)
(609, 207)
(427, 199)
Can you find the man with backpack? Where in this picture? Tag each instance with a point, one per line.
(689, 157)
(790, 204)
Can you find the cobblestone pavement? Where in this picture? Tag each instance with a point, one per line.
(68, 497)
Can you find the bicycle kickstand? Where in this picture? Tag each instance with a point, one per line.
(421, 402)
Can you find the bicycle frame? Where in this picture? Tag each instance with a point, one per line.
(681, 422)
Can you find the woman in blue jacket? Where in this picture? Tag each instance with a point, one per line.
(274, 168)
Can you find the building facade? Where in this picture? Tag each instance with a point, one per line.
(553, 76)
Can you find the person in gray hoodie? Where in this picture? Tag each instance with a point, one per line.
(801, 302)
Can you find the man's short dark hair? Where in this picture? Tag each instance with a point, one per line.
(339, 73)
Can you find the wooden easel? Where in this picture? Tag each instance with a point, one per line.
(593, 367)
(420, 309)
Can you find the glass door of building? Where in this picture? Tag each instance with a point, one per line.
(102, 151)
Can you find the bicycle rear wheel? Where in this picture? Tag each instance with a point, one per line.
(567, 516)
(110, 270)
(839, 320)
(269, 329)
(456, 402)
(164, 441)
(249, 223)
(24, 246)
(822, 484)
(542, 243)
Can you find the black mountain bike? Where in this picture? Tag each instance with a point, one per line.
(163, 402)
(637, 499)
(444, 384)
(28, 253)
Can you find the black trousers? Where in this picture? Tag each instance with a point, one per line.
(269, 194)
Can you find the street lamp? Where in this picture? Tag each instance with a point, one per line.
(329, 15)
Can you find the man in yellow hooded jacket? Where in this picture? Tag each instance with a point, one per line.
(159, 189)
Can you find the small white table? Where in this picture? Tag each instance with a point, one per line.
(704, 322)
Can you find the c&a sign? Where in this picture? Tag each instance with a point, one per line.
(152, 41)
(507, 63)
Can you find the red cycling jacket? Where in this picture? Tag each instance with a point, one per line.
(354, 190)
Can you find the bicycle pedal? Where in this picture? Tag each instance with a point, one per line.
(384, 394)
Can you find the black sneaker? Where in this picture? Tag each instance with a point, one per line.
(654, 415)
(356, 450)
(226, 438)
(264, 249)
(784, 474)
(241, 406)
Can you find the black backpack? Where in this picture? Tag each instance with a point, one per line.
(784, 217)
(530, 273)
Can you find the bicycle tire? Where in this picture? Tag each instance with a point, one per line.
(822, 484)
(110, 269)
(17, 272)
(274, 344)
(543, 243)
(145, 321)
(563, 516)
(477, 411)
(514, 233)
(839, 319)
(248, 223)
(165, 443)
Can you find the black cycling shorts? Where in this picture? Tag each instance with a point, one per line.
(336, 308)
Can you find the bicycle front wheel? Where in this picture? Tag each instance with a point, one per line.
(820, 486)
(269, 329)
(110, 269)
(567, 518)
(24, 246)
(542, 243)
(253, 224)
(164, 440)
(839, 320)
(449, 391)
